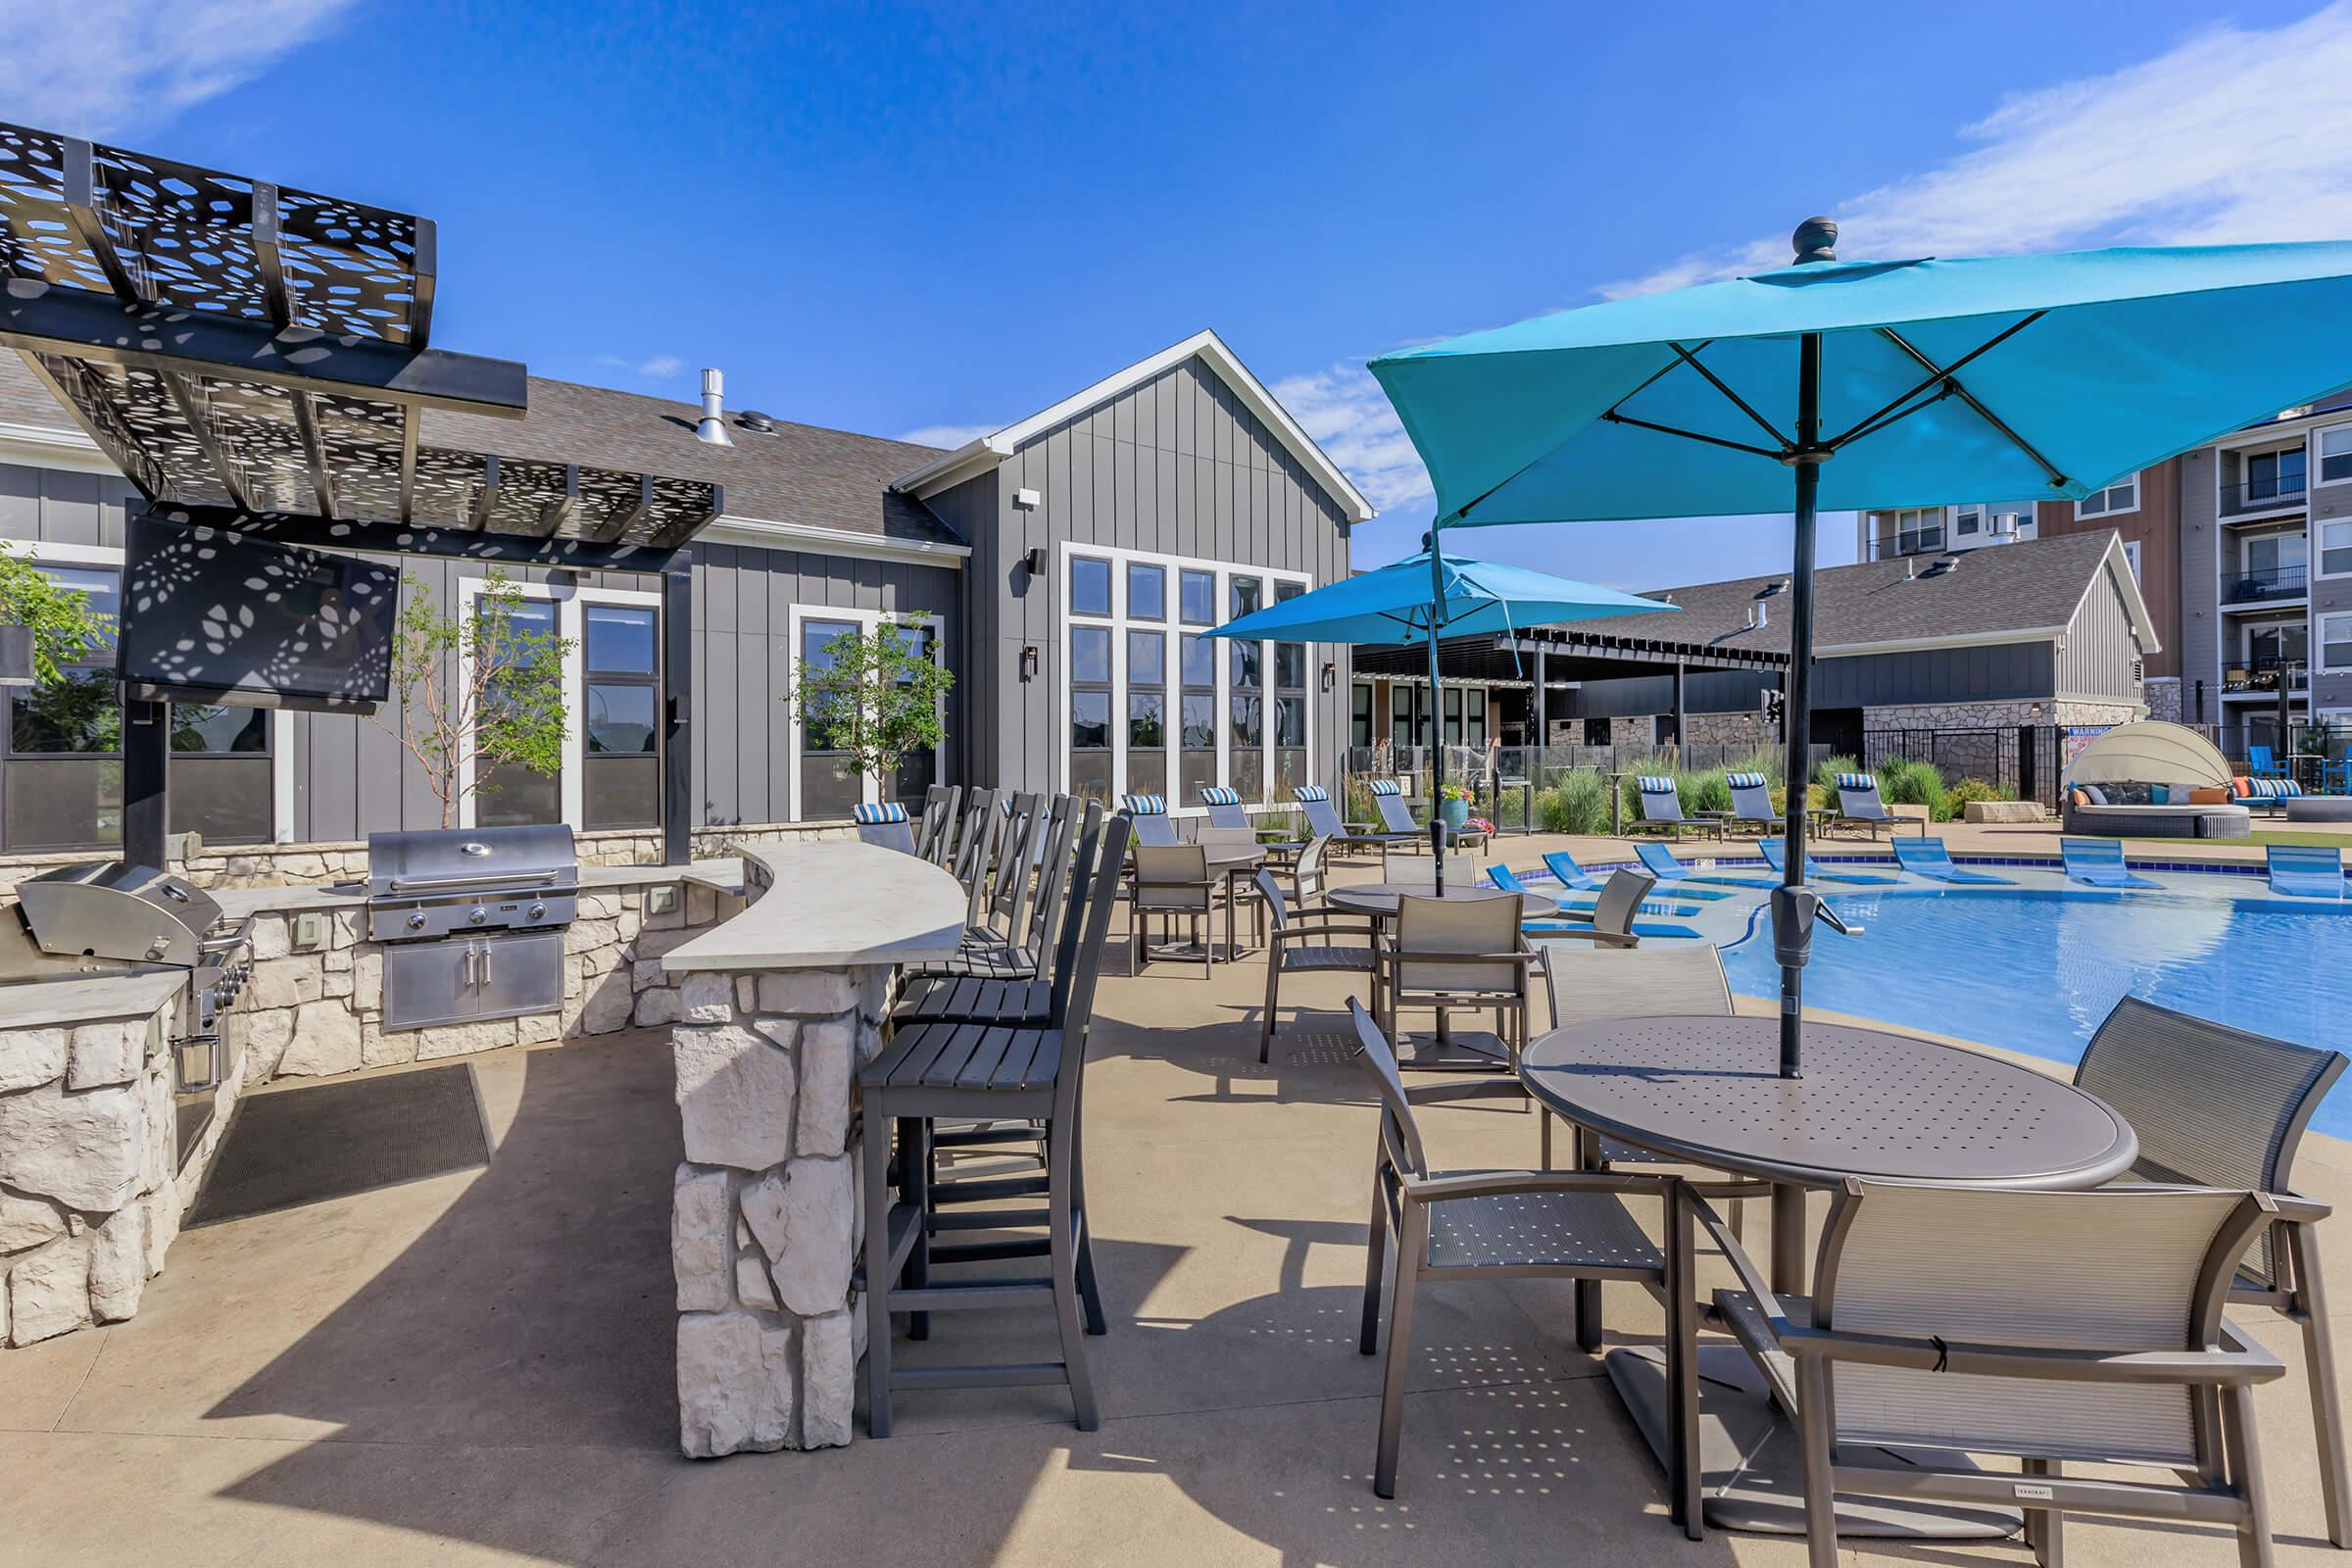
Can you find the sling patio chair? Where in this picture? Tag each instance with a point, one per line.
(2099, 863)
(1171, 880)
(1323, 821)
(1859, 806)
(1613, 913)
(883, 825)
(1312, 942)
(1660, 863)
(2306, 871)
(1448, 956)
(2053, 1328)
(2223, 1107)
(1507, 880)
(1662, 806)
(1501, 1225)
(1928, 858)
(1225, 808)
(1776, 856)
(1387, 799)
(1751, 802)
(1148, 814)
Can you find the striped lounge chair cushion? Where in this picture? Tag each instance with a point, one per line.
(1856, 781)
(2275, 787)
(1219, 795)
(1387, 786)
(1654, 784)
(1144, 805)
(870, 816)
(1744, 781)
(1308, 794)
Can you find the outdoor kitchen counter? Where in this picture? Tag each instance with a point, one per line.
(726, 875)
(777, 1009)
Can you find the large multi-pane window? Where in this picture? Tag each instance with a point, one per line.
(830, 785)
(620, 721)
(63, 744)
(2121, 496)
(1158, 706)
(509, 794)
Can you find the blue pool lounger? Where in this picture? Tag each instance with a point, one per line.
(1660, 863)
(1776, 856)
(2313, 871)
(1504, 877)
(1581, 913)
(2099, 863)
(1563, 866)
(1929, 857)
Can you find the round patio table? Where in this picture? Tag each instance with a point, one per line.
(1870, 1104)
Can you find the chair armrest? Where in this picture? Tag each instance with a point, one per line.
(1467, 1089)
(1607, 939)
(1508, 1183)
(1752, 1278)
(1520, 961)
(1334, 923)
(2240, 1363)
(2297, 1209)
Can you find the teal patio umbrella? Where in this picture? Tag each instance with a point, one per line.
(1868, 384)
(1423, 598)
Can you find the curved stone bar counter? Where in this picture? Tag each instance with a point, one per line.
(778, 1006)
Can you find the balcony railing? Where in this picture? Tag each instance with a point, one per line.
(2273, 582)
(2262, 495)
(2262, 676)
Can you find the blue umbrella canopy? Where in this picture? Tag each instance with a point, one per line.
(1394, 604)
(1868, 384)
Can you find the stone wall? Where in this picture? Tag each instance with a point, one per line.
(2164, 699)
(90, 1194)
(1997, 715)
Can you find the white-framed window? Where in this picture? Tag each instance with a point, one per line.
(1911, 531)
(2336, 548)
(2333, 449)
(823, 785)
(229, 776)
(1155, 705)
(2121, 496)
(2335, 642)
(1967, 519)
(610, 775)
(2131, 555)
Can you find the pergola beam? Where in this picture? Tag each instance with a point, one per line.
(282, 311)
(386, 538)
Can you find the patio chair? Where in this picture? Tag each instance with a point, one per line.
(1928, 858)
(975, 836)
(1150, 815)
(1612, 922)
(1859, 806)
(1310, 877)
(2099, 863)
(989, 1073)
(883, 826)
(2057, 1328)
(1311, 942)
(1323, 821)
(1003, 943)
(1225, 808)
(953, 995)
(1387, 799)
(1562, 865)
(1660, 863)
(2223, 1107)
(1507, 880)
(2306, 871)
(1776, 856)
(1662, 805)
(1751, 802)
(1171, 880)
(2263, 763)
(936, 841)
(1451, 957)
(1498, 1225)
(1003, 868)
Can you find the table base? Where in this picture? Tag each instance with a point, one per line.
(1751, 1476)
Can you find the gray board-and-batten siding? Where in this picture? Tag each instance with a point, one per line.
(1176, 466)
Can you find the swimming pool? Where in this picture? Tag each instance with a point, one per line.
(2037, 969)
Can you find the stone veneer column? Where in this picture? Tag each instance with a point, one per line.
(766, 1226)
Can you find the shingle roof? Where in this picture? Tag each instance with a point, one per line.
(2026, 586)
(796, 474)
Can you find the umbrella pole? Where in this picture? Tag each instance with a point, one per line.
(1792, 901)
(1437, 720)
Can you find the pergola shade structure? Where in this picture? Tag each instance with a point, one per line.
(257, 358)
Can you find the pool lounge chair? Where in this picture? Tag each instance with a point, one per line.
(1776, 856)
(1579, 919)
(1225, 808)
(1507, 880)
(1563, 866)
(1149, 815)
(1666, 868)
(1662, 806)
(2309, 871)
(1387, 799)
(885, 826)
(1323, 821)
(1859, 806)
(1929, 857)
(1751, 802)
(2099, 863)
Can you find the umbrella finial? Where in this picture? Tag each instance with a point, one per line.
(1816, 240)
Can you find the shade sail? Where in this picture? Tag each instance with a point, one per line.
(1392, 603)
(2100, 362)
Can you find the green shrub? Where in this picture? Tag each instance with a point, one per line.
(1904, 782)
(1578, 804)
(1822, 789)
(1975, 789)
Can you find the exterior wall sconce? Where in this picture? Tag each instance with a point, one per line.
(1036, 561)
(1330, 675)
(1029, 662)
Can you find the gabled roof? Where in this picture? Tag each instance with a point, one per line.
(2023, 592)
(979, 456)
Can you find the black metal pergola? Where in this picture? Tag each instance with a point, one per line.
(258, 358)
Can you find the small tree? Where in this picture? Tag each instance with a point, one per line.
(63, 626)
(485, 684)
(873, 695)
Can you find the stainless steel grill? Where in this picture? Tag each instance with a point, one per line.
(473, 919)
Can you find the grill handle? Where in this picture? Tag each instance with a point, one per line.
(472, 879)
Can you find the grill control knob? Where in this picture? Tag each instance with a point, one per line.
(477, 915)
(416, 921)
(536, 910)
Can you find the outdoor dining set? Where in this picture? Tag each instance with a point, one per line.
(2011, 1266)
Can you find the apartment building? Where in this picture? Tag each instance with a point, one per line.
(1901, 531)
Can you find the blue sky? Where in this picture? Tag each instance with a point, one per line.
(922, 221)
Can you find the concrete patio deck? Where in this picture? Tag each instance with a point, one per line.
(478, 1368)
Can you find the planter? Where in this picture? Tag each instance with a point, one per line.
(1454, 813)
(16, 656)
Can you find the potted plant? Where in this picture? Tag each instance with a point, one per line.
(1454, 804)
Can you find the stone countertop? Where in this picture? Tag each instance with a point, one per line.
(86, 999)
(726, 875)
(834, 904)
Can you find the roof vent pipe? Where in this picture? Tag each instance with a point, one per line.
(1907, 565)
(713, 428)
(1763, 614)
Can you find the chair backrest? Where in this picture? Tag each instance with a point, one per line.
(1147, 815)
(1775, 854)
(1208, 833)
(1595, 985)
(2305, 859)
(1858, 795)
(1620, 900)
(937, 842)
(883, 826)
(1661, 861)
(1310, 882)
(2118, 1269)
(1473, 927)
(1751, 797)
(1387, 799)
(1421, 870)
(1504, 877)
(1563, 866)
(1399, 1134)
(2213, 1106)
(1269, 893)
(1921, 854)
(1172, 876)
(2260, 758)
(975, 834)
(993, 831)
(2090, 852)
(1094, 874)
(1008, 906)
(1660, 801)
(1047, 909)
(1225, 808)
(1322, 819)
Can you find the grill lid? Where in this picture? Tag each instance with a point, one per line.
(442, 859)
(108, 909)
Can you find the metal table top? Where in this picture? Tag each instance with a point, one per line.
(1879, 1106)
(1380, 897)
(1228, 858)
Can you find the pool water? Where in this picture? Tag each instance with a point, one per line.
(2037, 969)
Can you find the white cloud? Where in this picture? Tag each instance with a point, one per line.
(660, 367)
(2234, 135)
(112, 68)
(949, 435)
(1345, 410)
